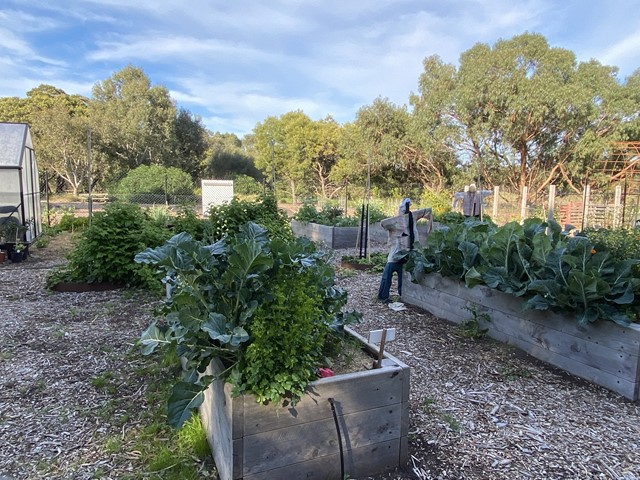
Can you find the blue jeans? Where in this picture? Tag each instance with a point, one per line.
(387, 276)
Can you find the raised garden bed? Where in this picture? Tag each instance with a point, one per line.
(603, 353)
(336, 237)
(252, 441)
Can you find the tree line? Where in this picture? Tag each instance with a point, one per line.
(517, 113)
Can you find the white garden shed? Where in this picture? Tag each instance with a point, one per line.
(19, 184)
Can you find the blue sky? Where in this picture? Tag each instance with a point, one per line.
(236, 62)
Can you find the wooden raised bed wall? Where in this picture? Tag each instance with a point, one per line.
(252, 441)
(345, 237)
(603, 353)
(333, 237)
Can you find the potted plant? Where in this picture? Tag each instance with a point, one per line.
(18, 253)
(3, 256)
(253, 320)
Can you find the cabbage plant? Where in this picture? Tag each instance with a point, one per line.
(537, 261)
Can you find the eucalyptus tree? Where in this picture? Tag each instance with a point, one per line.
(434, 128)
(629, 129)
(380, 145)
(59, 125)
(350, 168)
(533, 111)
(227, 158)
(190, 144)
(323, 141)
(284, 149)
(13, 109)
(61, 139)
(133, 121)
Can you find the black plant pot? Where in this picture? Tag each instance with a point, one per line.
(16, 257)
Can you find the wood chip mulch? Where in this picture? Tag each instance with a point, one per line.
(479, 409)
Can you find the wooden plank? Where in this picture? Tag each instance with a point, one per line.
(365, 461)
(356, 392)
(216, 418)
(227, 426)
(613, 335)
(587, 351)
(303, 442)
(344, 237)
(584, 350)
(594, 353)
(585, 359)
(624, 387)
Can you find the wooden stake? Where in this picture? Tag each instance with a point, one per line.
(381, 349)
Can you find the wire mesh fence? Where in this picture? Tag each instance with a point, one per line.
(612, 207)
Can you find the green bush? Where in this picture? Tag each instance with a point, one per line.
(229, 217)
(105, 250)
(440, 202)
(65, 220)
(622, 243)
(187, 221)
(153, 180)
(449, 218)
(334, 216)
(246, 185)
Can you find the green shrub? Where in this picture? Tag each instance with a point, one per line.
(153, 180)
(440, 202)
(334, 216)
(187, 221)
(229, 217)
(622, 243)
(449, 218)
(65, 220)
(106, 248)
(282, 360)
(246, 185)
(377, 259)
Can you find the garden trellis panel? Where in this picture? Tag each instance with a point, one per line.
(19, 182)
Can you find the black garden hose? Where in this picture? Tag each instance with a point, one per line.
(335, 419)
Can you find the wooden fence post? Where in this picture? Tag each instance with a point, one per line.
(552, 203)
(494, 212)
(617, 203)
(523, 204)
(585, 207)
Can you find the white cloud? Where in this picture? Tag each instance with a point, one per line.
(236, 63)
(163, 47)
(625, 53)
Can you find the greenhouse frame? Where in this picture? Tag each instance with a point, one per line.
(20, 214)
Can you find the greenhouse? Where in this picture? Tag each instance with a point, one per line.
(20, 219)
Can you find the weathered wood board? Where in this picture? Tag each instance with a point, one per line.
(603, 353)
(252, 441)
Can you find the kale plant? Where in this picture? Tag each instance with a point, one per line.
(262, 306)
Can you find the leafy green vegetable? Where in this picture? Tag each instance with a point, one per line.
(551, 271)
(262, 306)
